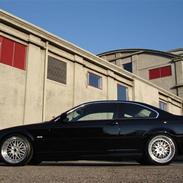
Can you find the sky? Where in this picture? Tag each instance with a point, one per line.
(104, 25)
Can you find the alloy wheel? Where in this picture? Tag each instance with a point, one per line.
(161, 149)
(15, 150)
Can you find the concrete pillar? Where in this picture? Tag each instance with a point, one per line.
(179, 77)
(169, 106)
(78, 81)
(179, 72)
(111, 86)
(146, 93)
(34, 83)
(134, 59)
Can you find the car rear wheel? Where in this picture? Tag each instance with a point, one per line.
(16, 150)
(161, 150)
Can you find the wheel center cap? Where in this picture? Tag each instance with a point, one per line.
(160, 149)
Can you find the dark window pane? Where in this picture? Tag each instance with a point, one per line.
(128, 67)
(122, 92)
(163, 105)
(135, 111)
(57, 70)
(94, 80)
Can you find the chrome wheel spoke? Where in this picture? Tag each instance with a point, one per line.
(14, 150)
(161, 149)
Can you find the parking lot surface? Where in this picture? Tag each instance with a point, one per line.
(90, 171)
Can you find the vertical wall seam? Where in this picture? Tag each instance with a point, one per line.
(74, 84)
(44, 82)
(26, 78)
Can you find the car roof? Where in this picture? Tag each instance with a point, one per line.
(160, 111)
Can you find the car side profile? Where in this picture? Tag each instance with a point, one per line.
(100, 130)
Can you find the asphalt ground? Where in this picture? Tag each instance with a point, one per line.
(92, 172)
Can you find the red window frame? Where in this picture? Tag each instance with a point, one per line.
(160, 72)
(19, 56)
(154, 73)
(166, 71)
(7, 50)
(12, 53)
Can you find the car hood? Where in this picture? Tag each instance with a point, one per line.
(24, 127)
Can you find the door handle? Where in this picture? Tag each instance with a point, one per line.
(114, 123)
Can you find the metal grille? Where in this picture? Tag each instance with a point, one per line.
(57, 70)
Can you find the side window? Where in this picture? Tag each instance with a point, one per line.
(128, 66)
(94, 80)
(91, 112)
(127, 110)
(122, 92)
(163, 105)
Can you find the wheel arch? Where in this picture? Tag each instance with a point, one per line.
(25, 134)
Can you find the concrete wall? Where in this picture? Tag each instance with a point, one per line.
(12, 96)
(146, 93)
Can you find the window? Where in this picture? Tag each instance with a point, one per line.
(129, 110)
(122, 92)
(160, 72)
(163, 105)
(57, 70)
(94, 80)
(128, 67)
(154, 73)
(12, 53)
(93, 112)
(166, 71)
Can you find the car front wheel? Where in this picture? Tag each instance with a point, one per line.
(16, 150)
(161, 150)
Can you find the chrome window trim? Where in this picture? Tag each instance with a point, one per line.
(117, 102)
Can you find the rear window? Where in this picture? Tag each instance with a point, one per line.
(130, 110)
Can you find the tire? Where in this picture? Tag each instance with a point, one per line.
(16, 150)
(160, 150)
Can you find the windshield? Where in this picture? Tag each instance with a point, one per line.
(64, 114)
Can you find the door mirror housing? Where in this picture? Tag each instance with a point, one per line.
(63, 117)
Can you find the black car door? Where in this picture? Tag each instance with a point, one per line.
(89, 128)
(134, 121)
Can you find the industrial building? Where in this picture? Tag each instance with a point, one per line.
(42, 75)
(164, 69)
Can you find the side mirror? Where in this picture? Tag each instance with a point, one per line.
(64, 118)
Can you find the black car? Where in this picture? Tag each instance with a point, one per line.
(101, 130)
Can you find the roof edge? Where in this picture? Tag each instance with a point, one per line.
(157, 52)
